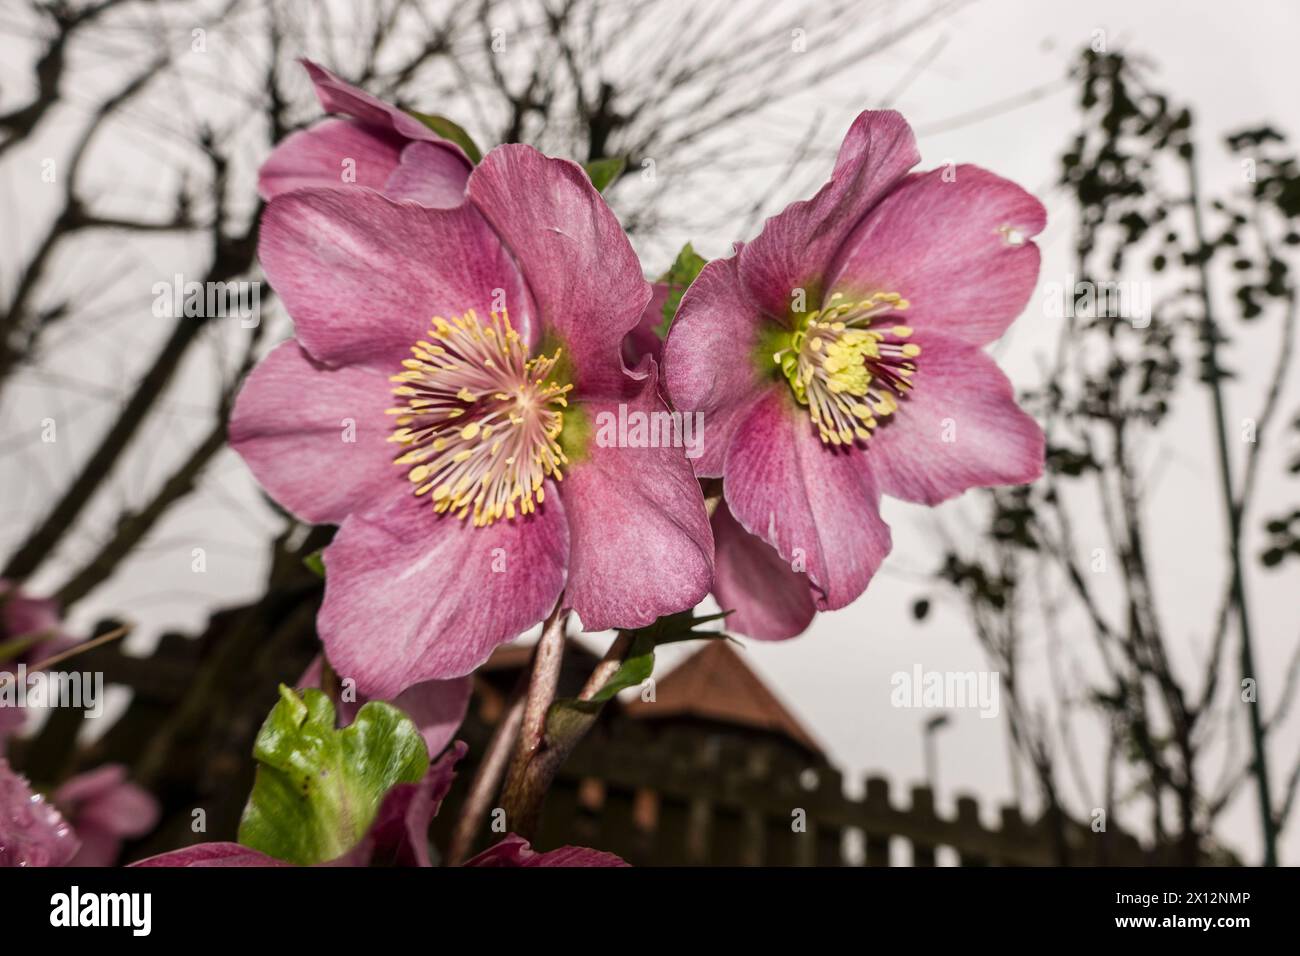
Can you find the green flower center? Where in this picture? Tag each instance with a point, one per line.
(848, 363)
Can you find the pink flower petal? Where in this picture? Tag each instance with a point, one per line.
(770, 601)
(25, 617)
(412, 596)
(362, 275)
(212, 855)
(710, 358)
(105, 809)
(90, 785)
(958, 251)
(437, 706)
(958, 428)
(106, 799)
(644, 340)
(373, 144)
(438, 709)
(795, 247)
(12, 722)
(514, 851)
(818, 506)
(22, 615)
(317, 157)
(399, 835)
(316, 437)
(430, 176)
(579, 264)
(641, 540)
(337, 95)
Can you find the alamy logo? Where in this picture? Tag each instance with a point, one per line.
(208, 300)
(1108, 299)
(134, 910)
(81, 690)
(947, 690)
(651, 430)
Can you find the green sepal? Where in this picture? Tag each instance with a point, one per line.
(315, 562)
(603, 172)
(678, 278)
(452, 132)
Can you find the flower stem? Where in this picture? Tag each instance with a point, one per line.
(483, 788)
(521, 798)
(81, 648)
(538, 771)
(608, 665)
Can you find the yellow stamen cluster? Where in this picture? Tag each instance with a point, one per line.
(848, 369)
(479, 419)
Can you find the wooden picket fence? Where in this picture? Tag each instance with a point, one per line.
(670, 800)
(689, 796)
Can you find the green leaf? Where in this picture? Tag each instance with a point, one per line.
(678, 278)
(569, 718)
(636, 667)
(640, 661)
(318, 788)
(315, 562)
(680, 627)
(451, 131)
(603, 172)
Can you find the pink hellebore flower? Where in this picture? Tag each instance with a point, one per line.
(105, 809)
(440, 403)
(839, 356)
(29, 626)
(99, 808)
(31, 631)
(374, 145)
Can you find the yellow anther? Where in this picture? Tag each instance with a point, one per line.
(490, 464)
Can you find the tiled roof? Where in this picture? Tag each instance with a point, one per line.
(716, 684)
